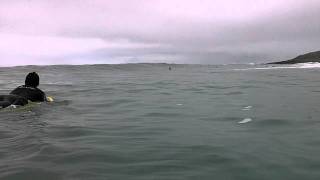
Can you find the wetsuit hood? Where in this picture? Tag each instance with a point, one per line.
(32, 80)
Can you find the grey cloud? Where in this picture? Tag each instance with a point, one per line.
(276, 36)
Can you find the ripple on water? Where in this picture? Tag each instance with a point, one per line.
(273, 122)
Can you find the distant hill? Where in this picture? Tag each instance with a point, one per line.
(305, 58)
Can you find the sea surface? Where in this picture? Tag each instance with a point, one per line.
(146, 122)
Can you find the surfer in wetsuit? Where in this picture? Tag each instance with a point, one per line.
(22, 94)
(30, 90)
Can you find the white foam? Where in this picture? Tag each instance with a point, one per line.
(13, 106)
(274, 67)
(247, 108)
(246, 120)
(309, 65)
(179, 104)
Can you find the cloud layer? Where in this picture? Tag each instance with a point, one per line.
(193, 31)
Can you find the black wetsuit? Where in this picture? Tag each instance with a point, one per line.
(30, 93)
(7, 100)
(21, 95)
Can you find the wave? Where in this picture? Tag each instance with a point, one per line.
(58, 83)
(310, 65)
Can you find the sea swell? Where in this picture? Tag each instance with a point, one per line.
(144, 121)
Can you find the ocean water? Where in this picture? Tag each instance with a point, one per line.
(143, 122)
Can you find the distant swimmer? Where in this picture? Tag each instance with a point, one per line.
(169, 68)
(28, 92)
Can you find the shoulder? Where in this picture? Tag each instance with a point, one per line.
(30, 93)
(39, 90)
(41, 93)
(17, 88)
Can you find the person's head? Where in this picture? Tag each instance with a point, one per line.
(32, 79)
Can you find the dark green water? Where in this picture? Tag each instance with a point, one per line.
(142, 122)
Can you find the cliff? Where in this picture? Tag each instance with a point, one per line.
(305, 58)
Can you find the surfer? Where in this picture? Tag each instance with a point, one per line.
(30, 90)
(27, 92)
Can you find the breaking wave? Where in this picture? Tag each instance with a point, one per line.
(310, 65)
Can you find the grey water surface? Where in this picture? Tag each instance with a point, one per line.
(143, 122)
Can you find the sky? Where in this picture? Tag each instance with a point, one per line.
(42, 32)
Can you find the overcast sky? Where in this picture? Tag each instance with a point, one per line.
(172, 31)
